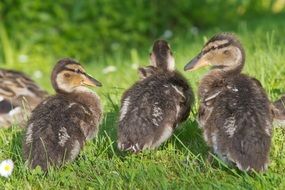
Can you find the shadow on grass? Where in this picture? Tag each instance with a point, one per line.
(188, 136)
(109, 125)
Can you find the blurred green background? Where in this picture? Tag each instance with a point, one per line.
(90, 30)
(115, 36)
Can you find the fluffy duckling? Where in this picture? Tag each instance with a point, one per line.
(152, 107)
(234, 110)
(60, 125)
(19, 95)
(279, 110)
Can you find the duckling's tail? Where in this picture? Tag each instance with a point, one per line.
(250, 150)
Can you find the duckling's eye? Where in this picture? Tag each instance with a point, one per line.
(77, 71)
(226, 52)
(67, 75)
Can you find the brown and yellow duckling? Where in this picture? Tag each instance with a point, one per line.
(152, 107)
(234, 112)
(19, 95)
(60, 125)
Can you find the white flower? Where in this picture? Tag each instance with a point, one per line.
(135, 66)
(167, 34)
(109, 69)
(23, 58)
(6, 168)
(194, 30)
(38, 74)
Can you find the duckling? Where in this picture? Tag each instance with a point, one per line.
(18, 96)
(234, 110)
(60, 125)
(279, 110)
(152, 107)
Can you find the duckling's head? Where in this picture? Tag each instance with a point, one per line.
(223, 51)
(68, 76)
(147, 71)
(161, 56)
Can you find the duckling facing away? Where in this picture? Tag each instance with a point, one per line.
(60, 125)
(153, 106)
(19, 95)
(234, 110)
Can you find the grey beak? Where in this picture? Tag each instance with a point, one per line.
(192, 63)
(94, 81)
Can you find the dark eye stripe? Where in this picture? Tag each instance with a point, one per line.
(75, 71)
(218, 47)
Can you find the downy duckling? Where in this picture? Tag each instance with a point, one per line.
(234, 112)
(19, 95)
(60, 125)
(152, 107)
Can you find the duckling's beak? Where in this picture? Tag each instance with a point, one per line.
(196, 63)
(90, 81)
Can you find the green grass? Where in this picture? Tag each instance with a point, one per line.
(181, 162)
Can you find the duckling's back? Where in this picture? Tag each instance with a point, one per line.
(237, 121)
(57, 131)
(18, 96)
(151, 109)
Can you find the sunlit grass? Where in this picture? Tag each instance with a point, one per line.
(181, 162)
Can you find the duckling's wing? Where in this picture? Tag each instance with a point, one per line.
(59, 112)
(145, 123)
(249, 148)
(150, 112)
(185, 92)
(257, 82)
(246, 124)
(16, 87)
